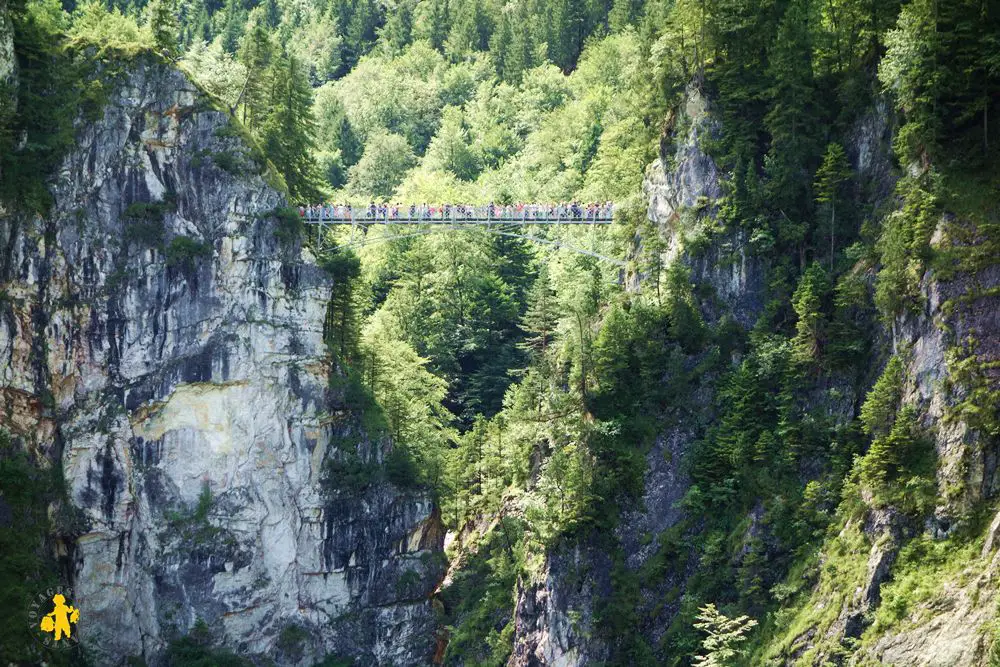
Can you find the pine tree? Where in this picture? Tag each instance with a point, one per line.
(567, 32)
(257, 53)
(470, 30)
(397, 33)
(287, 134)
(235, 21)
(500, 44)
(808, 302)
(831, 178)
(361, 30)
(791, 120)
(340, 330)
(431, 22)
(541, 318)
(724, 635)
(272, 14)
(163, 24)
(624, 13)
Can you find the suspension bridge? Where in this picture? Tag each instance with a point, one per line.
(422, 220)
(517, 214)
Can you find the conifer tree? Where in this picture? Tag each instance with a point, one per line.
(163, 24)
(831, 178)
(808, 304)
(724, 635)
(257, 52)
(397, 32)
(791, 121)
(340, 329)
(470, 30)
(287, 134)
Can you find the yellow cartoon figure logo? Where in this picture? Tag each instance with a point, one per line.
(58, 619)
(52, 617)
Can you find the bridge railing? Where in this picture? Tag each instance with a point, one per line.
(526, 214)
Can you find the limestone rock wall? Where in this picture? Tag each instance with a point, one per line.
(682, 188)
(554, 618)
(183, 385)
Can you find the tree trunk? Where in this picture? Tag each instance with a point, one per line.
(833, 222)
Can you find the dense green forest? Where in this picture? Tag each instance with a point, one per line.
(523, 384)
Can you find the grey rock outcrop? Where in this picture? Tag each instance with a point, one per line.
(159, 339)
(682, 191)
(554, 618)
(7, 61)
(8, 68)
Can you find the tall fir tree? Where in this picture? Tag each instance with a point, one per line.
(287, 134)
(161, 17)
(831, 179)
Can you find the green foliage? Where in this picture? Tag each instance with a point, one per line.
(204, 505)
(144, 223)
(163, 25)
(54, 85)
(940, 64)
(341, 326)
(108, 31)
(286, 134)
(832, 178)
(26, 566)
(183, 252)
(289, 226)
(383, 165)
(450, 149)
(347, 474)
(617, 617)
(557, 383)
(196, 649)
(904, 245)
(335, 661)
(410, 399)
(810, 328)
(899, 467)
(924, 572)
(290, 640)
(723, 637)
(878, 413)
(192, 524)
(479, 601)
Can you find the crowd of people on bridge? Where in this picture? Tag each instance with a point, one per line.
(592, 211)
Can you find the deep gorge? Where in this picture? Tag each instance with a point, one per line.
(770, 439)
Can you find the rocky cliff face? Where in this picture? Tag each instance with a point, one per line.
(8, 65)
(7, 62)
(957, 325)
(159, 339)
(682, 188)
(555, 619)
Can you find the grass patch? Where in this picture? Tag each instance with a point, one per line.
(923, 571)
(812, 606)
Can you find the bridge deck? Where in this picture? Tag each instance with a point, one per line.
(453, 219)
(461, 214)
